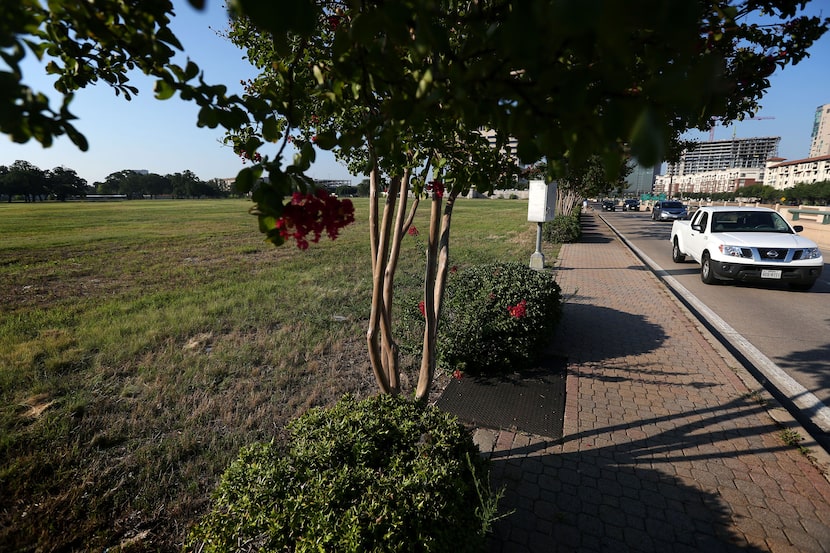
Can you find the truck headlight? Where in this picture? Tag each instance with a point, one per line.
(731, 251)
(810, 253)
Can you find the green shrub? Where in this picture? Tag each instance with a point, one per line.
(562, 229)
(497, 318)
(383, 474)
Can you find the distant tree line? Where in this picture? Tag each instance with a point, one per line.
(816, 193)
(25, 182)
(29, 183)
(134, 184)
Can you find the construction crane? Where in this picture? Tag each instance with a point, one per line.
(734, 130)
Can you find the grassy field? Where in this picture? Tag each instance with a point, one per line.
(143, 343)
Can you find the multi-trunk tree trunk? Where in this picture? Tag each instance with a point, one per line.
(387, 228)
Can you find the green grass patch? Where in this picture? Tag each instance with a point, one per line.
(143, 343)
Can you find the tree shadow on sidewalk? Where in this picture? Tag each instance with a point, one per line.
(592, 232)
(679, 477)
(590, 333)
(628, 495)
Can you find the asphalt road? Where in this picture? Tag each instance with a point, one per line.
(787, 332)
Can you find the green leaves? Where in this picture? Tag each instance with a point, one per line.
(481, 331)
(280, 19)
(376, 475)
(247, 177)
(647, 138)
(415, 79)
(326, 140)
(208, 117)
(164, 89)
(271, 130)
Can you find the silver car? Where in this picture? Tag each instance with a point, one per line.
(669, 210)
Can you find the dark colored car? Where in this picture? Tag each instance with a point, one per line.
(669, 210)
(631, 205)
(609, 205)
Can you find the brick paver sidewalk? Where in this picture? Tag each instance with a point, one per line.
(669, 444)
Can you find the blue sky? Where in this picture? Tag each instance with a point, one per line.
(792, 99)
(162, 137)
(145, 133)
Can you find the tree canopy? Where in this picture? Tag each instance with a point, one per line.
(568, 80)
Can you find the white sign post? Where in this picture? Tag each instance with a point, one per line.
(541, 206)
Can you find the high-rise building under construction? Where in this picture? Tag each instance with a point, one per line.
(726, 154)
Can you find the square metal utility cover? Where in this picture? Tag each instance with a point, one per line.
(531, 401)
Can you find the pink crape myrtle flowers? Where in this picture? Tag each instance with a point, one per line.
(436, 186)
(314, 214)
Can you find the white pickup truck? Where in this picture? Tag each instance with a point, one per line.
(752, 244)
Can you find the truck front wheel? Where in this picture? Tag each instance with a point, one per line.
(707, 275)
(676, 255)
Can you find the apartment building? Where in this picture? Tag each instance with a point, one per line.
(820, 137)
(786, 174)
(709, 182)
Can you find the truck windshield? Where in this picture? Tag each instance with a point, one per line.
(749, 221)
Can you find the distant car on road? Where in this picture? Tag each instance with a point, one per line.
(631, 205)
(609, 205)
(669, 210)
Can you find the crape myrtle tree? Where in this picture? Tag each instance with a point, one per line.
(405, 84)
(395, 87)
(432, 157)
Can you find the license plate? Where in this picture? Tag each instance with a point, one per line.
(770, 273)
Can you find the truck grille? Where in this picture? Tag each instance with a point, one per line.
(773, 254)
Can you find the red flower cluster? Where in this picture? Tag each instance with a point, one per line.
(312, 214)
(256, 157)
(422, 309)
(458, 375)
(413, 231)
(436, 186)
(517, 311)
